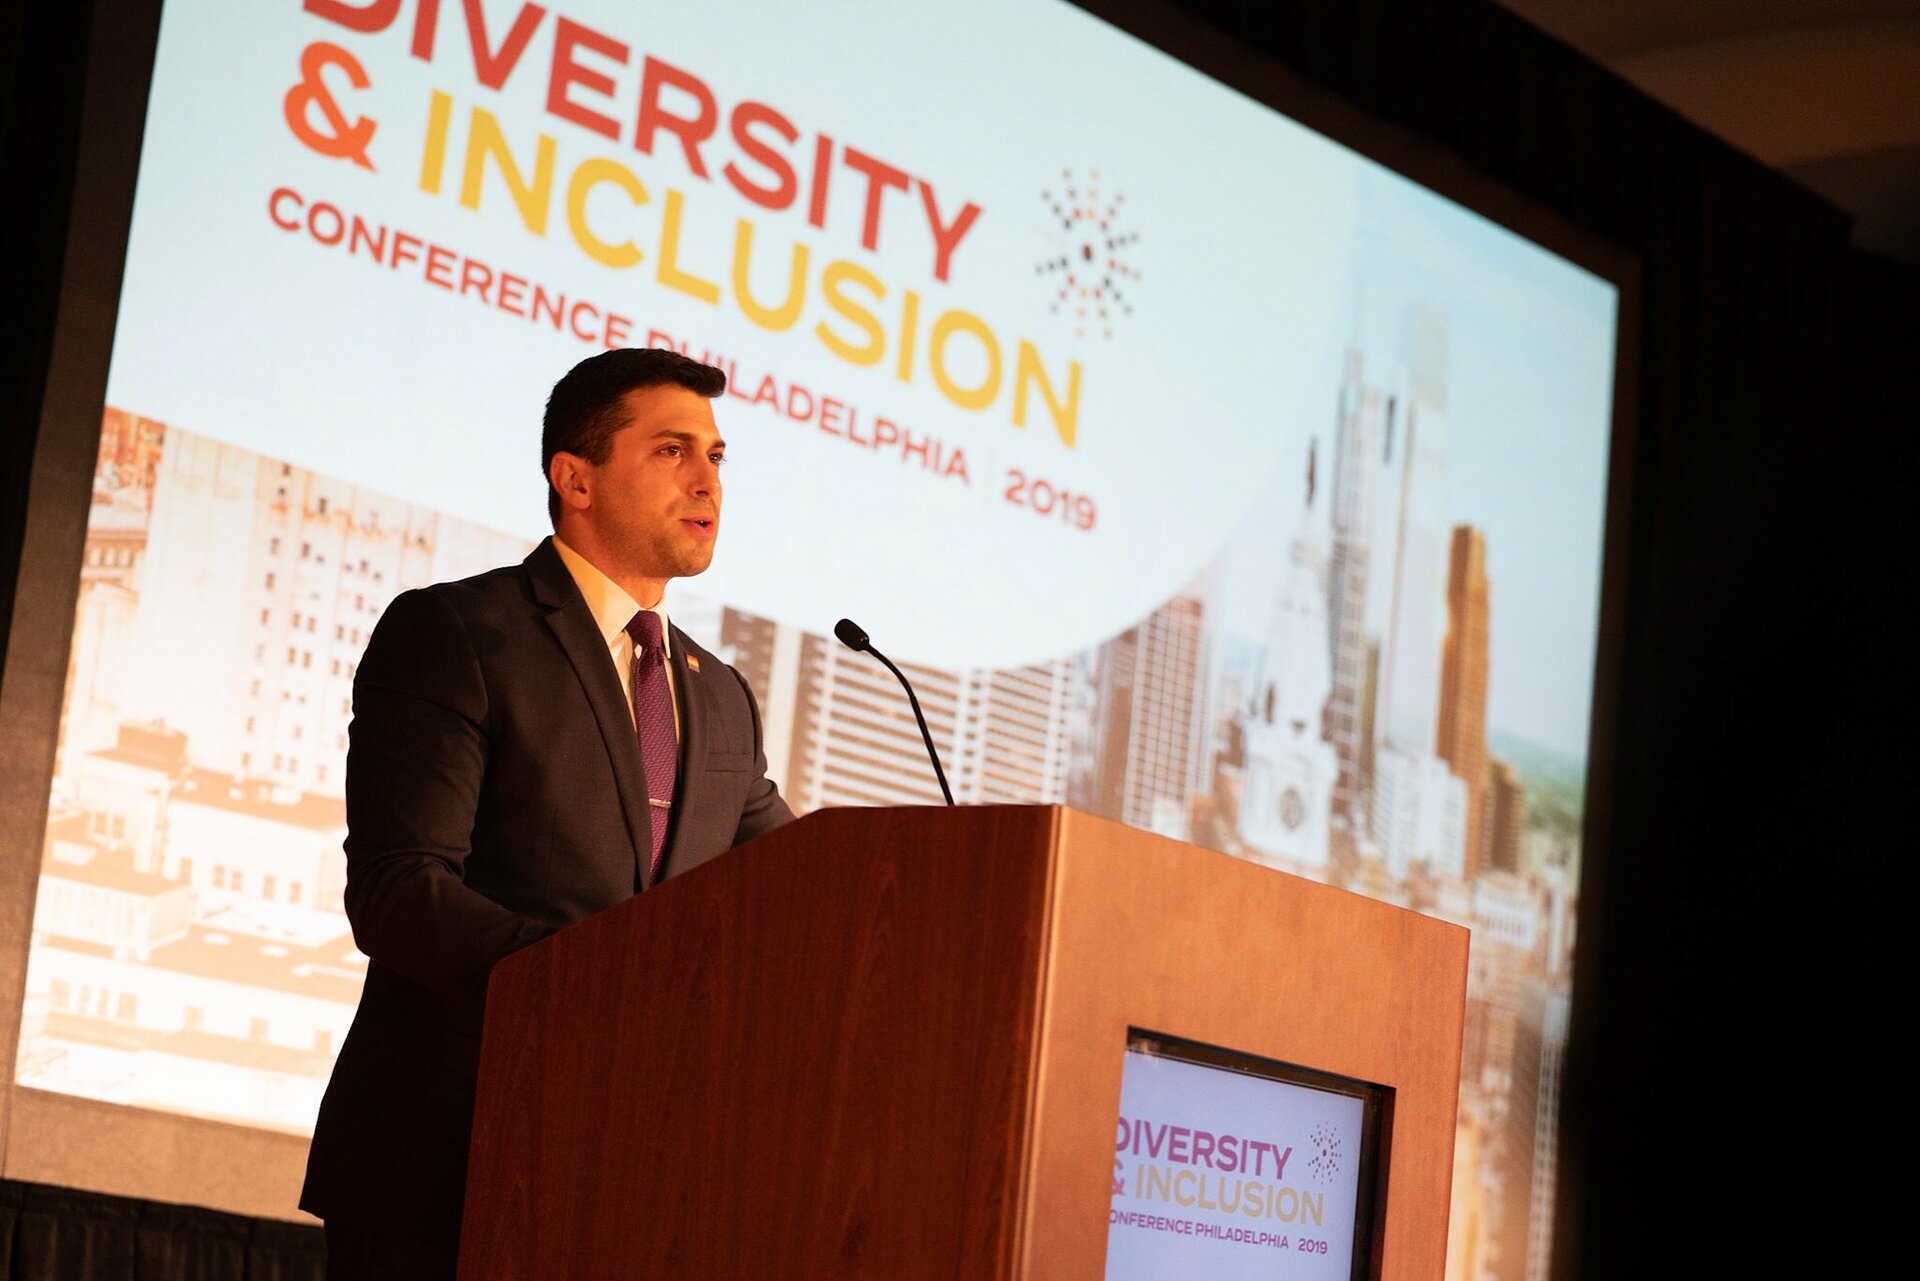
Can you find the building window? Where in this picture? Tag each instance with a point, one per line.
(265, 614)
(267, 887)
(306, 549)
(294, 890)
(292, 655)
(306, 658)
(127, 1008)
(62, 994)
(322, 505)
(239, 881)
(269, 580)
(273, 546)
(219, 876)
(296, 618)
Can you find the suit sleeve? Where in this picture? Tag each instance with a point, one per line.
(764, 808)
(416, 757)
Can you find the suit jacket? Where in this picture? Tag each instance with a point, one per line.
(495, 794)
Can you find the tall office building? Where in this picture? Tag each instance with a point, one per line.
(1363, 424)
(1461, 732)
(1506, 816)
(1528, 1149)
(767, 655)
(1140, 742)
(1419, 813)
(1411, 640)
(260, 585)
(1002, 735)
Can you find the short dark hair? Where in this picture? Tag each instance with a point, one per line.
(583, 411)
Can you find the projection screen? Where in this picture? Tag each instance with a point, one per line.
(1203, 473)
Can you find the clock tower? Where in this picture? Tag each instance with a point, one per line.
(1291, 768)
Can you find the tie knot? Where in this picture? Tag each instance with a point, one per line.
(644, 627)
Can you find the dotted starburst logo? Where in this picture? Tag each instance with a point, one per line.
(1328, 1155)
(1088, 268)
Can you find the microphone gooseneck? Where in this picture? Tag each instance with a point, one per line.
(856, 640)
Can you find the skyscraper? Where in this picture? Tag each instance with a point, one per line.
(1506, 816)
(1363, 422)
(1411, 641)
(1461, 733)
(767, 655)
(260, 585)
(1002, 735)
(1140, 750)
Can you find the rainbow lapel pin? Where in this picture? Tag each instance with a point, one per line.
(693, 663)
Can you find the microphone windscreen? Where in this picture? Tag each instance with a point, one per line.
(850, 635)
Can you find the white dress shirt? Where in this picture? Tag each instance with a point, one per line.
(612, 610)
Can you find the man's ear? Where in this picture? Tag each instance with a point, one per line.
(571, 477)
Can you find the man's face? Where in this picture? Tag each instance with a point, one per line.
(656, 500)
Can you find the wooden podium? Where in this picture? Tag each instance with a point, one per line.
(888, 1043)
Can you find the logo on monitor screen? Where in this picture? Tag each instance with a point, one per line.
(1328, 1156)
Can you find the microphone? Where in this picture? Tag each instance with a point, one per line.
(856, 640)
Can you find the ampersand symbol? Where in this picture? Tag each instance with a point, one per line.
(345, 141)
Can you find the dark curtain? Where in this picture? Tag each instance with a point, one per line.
(1731, 1017)
(1734, 1002)
(59, 1234)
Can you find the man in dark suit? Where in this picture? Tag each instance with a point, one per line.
(528, 747)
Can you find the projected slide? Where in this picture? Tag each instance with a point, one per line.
(1204, 474)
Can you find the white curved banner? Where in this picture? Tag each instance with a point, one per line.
(1026, 359)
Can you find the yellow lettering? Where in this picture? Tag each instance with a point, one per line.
(909, 327)
(591, 173)
(1027, 371)
(774, 318)
(839, 273)
(668, 271)
(1184, 1179)
(484, 139)
(433, 160)
(1159, 1185)
(949, 324)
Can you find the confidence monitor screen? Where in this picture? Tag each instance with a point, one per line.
(1203, 474)
(1238, 1168)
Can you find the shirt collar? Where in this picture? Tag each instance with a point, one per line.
(611, 606)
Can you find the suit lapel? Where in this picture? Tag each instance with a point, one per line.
(693, 744)
(572, 625)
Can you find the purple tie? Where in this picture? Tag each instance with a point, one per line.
(653, 721)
